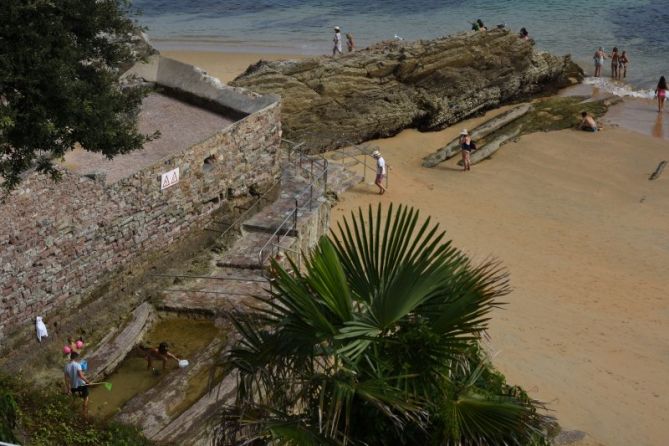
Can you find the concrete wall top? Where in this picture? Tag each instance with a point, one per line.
(192, 80)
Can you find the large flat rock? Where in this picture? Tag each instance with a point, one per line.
(330, 102)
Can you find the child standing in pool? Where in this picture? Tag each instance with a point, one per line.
(661, 93)
(161, 354)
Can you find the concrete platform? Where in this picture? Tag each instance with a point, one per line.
(159, 112)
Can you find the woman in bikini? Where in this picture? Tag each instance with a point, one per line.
(615, 60)
(661, 93)
(622, 65)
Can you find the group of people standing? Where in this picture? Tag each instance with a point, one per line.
(619, 62)
(77, 384)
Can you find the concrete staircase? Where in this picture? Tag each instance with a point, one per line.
(292, 223)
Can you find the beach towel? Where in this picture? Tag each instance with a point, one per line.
(40, 328)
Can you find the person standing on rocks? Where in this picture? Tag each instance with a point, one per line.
(380, 171)
(599, 57)
(350, 45)
(466, 147)
(337, 42)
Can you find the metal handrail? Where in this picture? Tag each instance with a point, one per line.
(230, 278)
(310, 186)
(261, 253)
(294, 214)
(243, 216)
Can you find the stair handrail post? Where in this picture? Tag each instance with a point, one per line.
(325, 177)
(364, 170)
(295, 216)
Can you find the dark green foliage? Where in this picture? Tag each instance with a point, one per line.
(46, 416)
(8, 413)
(377, 343)
(59, 71)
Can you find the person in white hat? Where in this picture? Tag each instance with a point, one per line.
(337, 42)
(380, 171)
(466, 147)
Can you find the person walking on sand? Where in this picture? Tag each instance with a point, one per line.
(661, 93)
(337, 42)
(466, 147)
(599, 61)
(160, 354)
(615, 60)
(76, 383)
(380, 171)
(350, 45)
(587, 123)
(622, 64)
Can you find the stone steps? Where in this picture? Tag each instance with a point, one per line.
(237, 275)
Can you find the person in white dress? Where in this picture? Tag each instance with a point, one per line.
(337, 42)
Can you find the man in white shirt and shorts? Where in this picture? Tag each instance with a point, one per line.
(380, 171)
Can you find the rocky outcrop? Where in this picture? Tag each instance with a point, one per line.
(430, 84)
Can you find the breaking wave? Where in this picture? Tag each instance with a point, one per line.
(619, 88)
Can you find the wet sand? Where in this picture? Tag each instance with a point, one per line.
(585, 237)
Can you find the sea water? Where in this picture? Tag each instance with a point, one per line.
(641, 27)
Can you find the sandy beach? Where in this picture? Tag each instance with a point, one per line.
(225, 66)
(585, 237)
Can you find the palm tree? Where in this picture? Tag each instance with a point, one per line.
(376, 341)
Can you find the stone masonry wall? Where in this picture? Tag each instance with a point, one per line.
(60, 241)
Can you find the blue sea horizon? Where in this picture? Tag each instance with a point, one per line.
(304, 26)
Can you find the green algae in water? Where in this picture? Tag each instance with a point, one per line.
(185, 337)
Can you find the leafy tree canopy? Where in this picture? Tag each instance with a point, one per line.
(59, 72)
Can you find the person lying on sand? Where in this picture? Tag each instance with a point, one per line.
(160, 354)
(588, 123)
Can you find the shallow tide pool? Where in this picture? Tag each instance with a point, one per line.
(185, 337)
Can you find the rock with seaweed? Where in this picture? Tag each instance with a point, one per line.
(453, 148)
(429, 84)
(544, 115)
